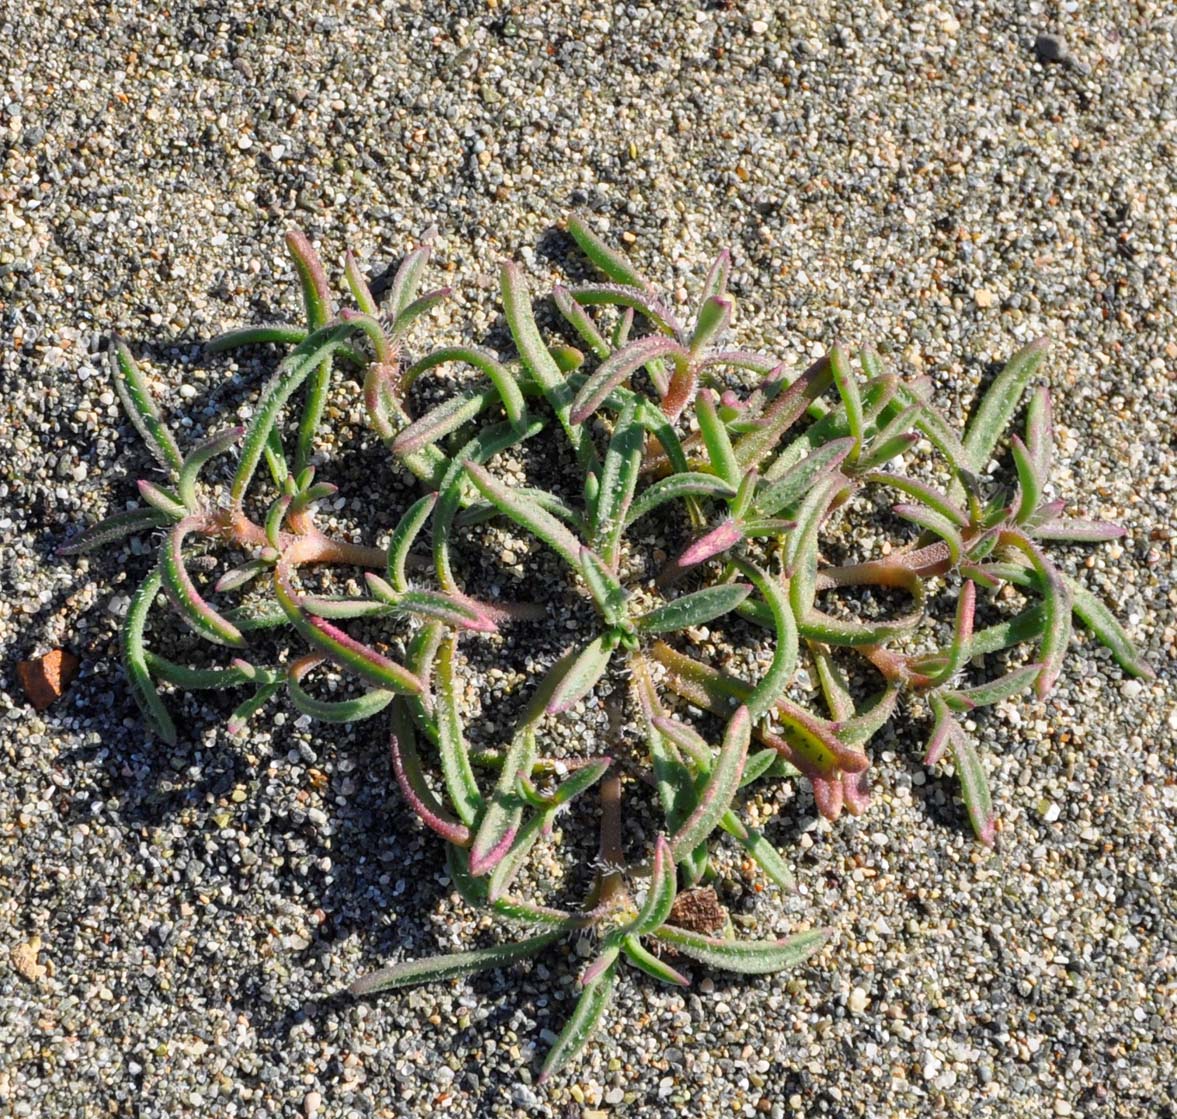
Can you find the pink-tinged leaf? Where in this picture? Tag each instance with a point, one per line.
(941, 731)
(461, 785)
(616, 368)
(597, 967)
(783, 412)
(182, 592)
(828, 793)
(1078, 531)
(351, 710)
(406, 764)
(358, 285)
(316, 290)
(661, 892)
(1030, 483)
(694, 609)
(856, 792)
(994, 691)
(723, 537)
(1057, 601)
(991, 415)
(343, 650)
(1100, 620)
(715, 286)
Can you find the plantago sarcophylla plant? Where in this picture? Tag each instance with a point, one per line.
(706, 651)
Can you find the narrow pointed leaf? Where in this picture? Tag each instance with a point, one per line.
(694, 609)
(277, 333)
(135, 660)
(744, 956)
(1040, 432)
(505, 385)
(582, 675)
(799, 480)
(333, 711)
(934, 522)
(603, 585)
(1077, 531)
(844, 381)
(661, 892)
(614, 264)
(504, 811)
(993, 691)
(460, 782)
(677, 487)
(440, 421)
(450, 966)
(616, 368)
(924, 493)
(183, 593)
(784, 656)
(407, 281)
(715, 315)
(163, 500)
(527, 513)
(590, 1009)
(115, 528)
(241, 714)
(649, 963)
(715, 796)
(579, 320)
(974, 785)
(720, 453)
(992, 415)
(141, 409)
(406, 765)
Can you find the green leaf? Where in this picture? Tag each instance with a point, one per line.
(766, 856)
(500, 821)
(135, 659)
(784, 656)
(504, 383)
(334, 711)
(590, 1009)
(460, 783)
(660, 894)
(618, 480)
(277, 333)
(1100, 620)
(582, 674)
(538, 361)
(407, 281)
(612, 263)
(343, 650)
(115, 528)
(934, 522)
(1040, 432)
(924, 493)
(523, 511)
(991, 416)
(676, 487)
(448, 416)
(796, 482)
(511, 862)
(715, 796)
(1057, 602)
(450, 966)
(141, 409)
(580, 322)
(197, 457)
(974, 785)
(843, 374)
(1030, 484)
(608, 593)
(406, 765)
(403, 537)
(746, 957)
(993, 691)
(651, 964)
(720, 452)
(694, 609)
(715, 315)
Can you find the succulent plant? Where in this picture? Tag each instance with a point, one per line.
(707, 657)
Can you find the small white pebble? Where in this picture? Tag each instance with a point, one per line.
(311, 1104)
(857, 1001)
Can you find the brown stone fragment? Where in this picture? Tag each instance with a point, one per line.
(45, 679)
(24, 959)
(698, 910)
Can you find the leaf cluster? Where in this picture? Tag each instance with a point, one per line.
(668, 433)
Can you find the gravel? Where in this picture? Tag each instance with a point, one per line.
(176, 925)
